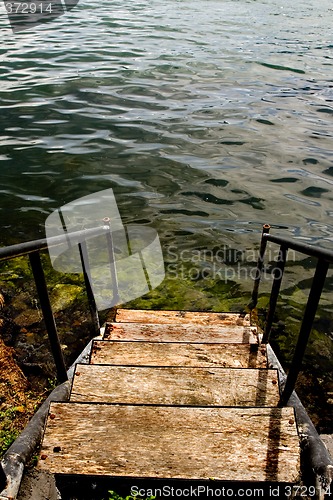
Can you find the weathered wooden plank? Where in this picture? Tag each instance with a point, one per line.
(181, 333)
(177, 354)
(240, 444)
(165, 317)
(175, 385)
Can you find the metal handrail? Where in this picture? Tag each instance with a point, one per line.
(33, 249)
(27, 247)
(324, 259)
(298, 246)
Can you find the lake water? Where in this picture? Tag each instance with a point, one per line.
(211, 117)
(207, 118)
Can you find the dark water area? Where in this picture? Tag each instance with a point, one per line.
(206, 118)
(211, 117)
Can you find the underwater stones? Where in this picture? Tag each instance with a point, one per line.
(63, 296)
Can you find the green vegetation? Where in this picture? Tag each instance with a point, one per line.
(7, 437)
(7, 433)
(188, 287)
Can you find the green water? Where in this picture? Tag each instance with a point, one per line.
(206, 118)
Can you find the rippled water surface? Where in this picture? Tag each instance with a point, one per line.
(210, 117)
(207, 118)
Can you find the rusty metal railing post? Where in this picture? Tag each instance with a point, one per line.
(306, 327)
(263, 244)
(45, 304)
(278, 275)
(87, 281)
(112, 260)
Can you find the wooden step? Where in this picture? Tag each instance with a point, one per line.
(178, 354)
(164, 317)
(242, 444)
(187, 332)
(175, 385)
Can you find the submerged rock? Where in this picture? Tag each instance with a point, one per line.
(63, 296)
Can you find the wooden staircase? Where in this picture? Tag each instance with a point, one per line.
(173, 396)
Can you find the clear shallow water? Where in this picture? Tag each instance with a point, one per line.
(207, 118)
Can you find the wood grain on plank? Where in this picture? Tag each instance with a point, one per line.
(178, 354)
(175, 385)
(240, 444)
(181, 333)
(199, 318)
